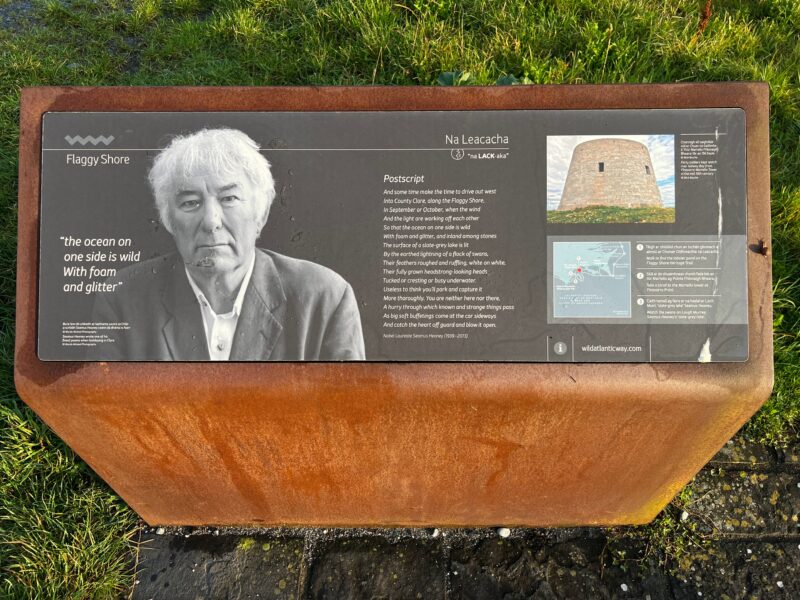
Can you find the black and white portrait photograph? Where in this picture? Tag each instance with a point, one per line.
(219, 296)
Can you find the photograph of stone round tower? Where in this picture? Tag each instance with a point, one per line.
(611, 179)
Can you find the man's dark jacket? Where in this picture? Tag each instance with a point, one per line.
(292, 310)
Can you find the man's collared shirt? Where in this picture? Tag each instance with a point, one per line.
(221, 328)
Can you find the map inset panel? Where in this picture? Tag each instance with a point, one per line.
(591, 280)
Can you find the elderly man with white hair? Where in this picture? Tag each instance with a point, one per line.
(219, 297)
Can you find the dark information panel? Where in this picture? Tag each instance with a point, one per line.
(541, 235)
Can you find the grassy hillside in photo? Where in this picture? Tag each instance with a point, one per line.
(612, 214)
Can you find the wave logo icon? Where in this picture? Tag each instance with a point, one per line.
(89, 139)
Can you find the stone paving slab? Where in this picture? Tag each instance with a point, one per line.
(581, 568)
(741, 454)
(744, 507)
(746, 570)
(528, 568)
(466, 564)
(174, 567)
(362, 568)
(746, 502)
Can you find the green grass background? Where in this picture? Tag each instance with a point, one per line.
(63, 533)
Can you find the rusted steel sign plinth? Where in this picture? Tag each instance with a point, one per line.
(523, 305)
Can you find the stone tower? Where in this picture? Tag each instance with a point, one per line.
(610, 172)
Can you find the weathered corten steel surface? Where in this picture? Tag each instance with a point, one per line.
(396, 443)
